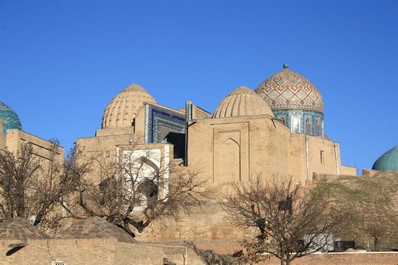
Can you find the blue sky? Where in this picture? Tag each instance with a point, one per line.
(62, 61)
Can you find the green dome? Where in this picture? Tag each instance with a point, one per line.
(388, 161)
(10, 118)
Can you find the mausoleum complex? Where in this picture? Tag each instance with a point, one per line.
(276, 129)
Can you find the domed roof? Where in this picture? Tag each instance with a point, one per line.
(95, 227)
(388, 161)
(287, 90)
(242, 102)
(19, 230)
(122, 109)
(10, 118)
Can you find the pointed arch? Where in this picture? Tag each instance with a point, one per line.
(230, 161)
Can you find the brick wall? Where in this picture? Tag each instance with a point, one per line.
(346, 258)
(111, 252)
(96, 251)
(84, 251)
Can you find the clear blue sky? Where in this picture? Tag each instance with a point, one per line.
(62, 61)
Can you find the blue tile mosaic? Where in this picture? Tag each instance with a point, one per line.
(304, 122)
(160, 121)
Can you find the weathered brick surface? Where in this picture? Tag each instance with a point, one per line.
(372, 258)
(111, 252)
(137, 255)
(96, 251)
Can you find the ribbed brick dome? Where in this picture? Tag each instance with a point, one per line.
(95, 227)
(242, 102)
(287, 90)
(123, 108)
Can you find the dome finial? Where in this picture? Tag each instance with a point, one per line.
(285, 66)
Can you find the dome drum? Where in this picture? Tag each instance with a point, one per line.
(303, 122)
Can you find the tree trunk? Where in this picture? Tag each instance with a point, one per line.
(288, 260)
(376, 243)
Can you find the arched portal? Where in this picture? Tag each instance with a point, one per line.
(229, 158)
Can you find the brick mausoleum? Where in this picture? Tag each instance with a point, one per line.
(275, 130)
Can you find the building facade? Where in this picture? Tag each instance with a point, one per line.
(275, 130)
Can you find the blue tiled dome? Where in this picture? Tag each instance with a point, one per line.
(10, 118)
(388, 161)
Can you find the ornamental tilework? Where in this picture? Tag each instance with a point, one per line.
(287, 90)
(159, 122)
(304, 122)
(10, 118)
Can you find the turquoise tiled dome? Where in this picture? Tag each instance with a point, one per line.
(10, 118)
(388, 161)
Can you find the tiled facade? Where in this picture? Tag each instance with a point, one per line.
(301, 121)
(160, 121)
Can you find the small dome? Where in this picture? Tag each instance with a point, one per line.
(95, 227)
(19, 230)
(388, 161)
(10, 118)
(242, 102)
(122, 109)
(287, 90)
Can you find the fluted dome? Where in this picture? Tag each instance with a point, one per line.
(123, 108)
(242, 102)
(388, 161)
(10, 118)
(287, 90)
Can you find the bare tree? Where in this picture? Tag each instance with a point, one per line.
(281, 215)
(32, 185)
(130, 194)
(134, 192)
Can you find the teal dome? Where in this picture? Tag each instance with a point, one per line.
(10, 118)
(388, 161)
